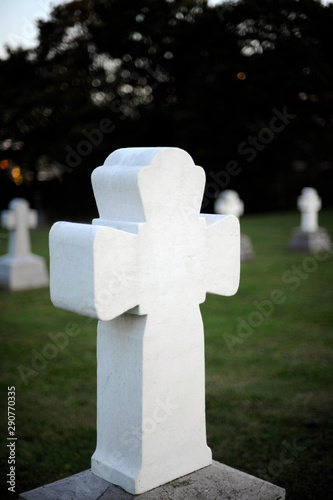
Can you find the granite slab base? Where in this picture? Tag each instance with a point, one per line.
(215, 482)
(311, 241)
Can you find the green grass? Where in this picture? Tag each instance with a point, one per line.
(269, 398)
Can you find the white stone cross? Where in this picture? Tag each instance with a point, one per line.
(142, 269)
(309, 205)
(20, 269)
(19, 219)
(229, 203)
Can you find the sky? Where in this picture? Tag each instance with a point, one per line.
(18, 21)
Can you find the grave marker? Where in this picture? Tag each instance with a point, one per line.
(309, 205)
(142, 269)
(20, 269)
(229, 203)
(309, 237)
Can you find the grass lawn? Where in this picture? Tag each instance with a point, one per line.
(269, 353)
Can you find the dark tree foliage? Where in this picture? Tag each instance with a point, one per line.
(287, 47)
(245, 88)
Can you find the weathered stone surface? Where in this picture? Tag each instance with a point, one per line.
(215, 482)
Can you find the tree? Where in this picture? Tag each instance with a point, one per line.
(287, 44)
(176, 72)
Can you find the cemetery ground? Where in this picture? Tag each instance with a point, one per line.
(269, 368)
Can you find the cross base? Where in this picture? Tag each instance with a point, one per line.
(310, 241)
(215, 481)
(143, 442)
(23, 273)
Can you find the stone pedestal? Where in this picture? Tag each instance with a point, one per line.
(217, 481)
(310, 241)
(247, 252)
(23, 273)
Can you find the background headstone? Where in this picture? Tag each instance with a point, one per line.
(19, 268)
(229, 203)
(309, 237)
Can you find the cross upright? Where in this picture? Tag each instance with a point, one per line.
(309, 205)
(19, 219)
(142, 268)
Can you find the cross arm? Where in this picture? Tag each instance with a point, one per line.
(8, 219)
(223, 254)
(92, 269)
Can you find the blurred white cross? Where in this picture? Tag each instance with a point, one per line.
(229, 203)
(309, 205)
(19, 219)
